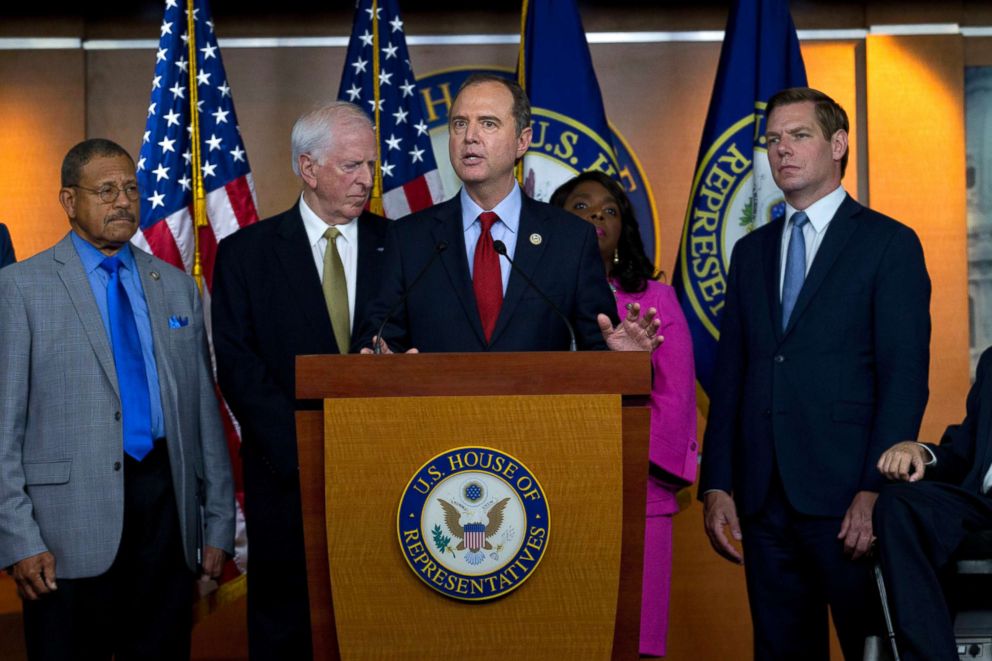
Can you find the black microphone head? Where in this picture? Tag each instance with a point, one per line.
(441, 246)
(500, 247)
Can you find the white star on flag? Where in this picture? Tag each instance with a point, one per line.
(161, 172)
(157, 200)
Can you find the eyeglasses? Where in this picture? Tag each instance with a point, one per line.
(109, 193)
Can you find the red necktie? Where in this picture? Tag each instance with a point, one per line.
(486, 278)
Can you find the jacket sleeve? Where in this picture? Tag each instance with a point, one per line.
(673, 393)
(20, 536)
(266, 415)
(217, 479)
(722, 425)
(901, 309)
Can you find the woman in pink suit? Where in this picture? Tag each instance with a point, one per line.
(600, 200)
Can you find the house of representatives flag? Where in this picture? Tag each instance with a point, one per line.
(571, 134)
(165, 174)
(732, 190)
(410, 180)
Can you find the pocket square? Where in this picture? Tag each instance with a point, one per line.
(178, 322)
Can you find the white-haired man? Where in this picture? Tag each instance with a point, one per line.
(296, 283)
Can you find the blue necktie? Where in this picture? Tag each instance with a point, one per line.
(130, 364)
(795, 266)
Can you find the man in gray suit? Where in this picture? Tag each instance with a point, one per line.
(115, 483)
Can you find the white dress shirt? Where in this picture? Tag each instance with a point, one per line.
(820, 213)
(346, 243)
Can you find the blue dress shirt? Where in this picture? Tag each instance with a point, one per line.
(91, 258)
(505, 230)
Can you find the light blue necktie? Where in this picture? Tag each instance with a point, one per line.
(795, 266)
(130, 365)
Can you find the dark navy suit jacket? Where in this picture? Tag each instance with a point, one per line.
(556, 249)
(268, 308)
(965, 451)
(6, 247)
(844, 381)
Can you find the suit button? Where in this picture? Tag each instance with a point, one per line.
(768, 412)
(117, 465)
(117, 415)
(779, 358)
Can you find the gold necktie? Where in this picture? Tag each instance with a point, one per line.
(336, 291)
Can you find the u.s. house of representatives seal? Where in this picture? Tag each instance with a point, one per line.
(473, 523)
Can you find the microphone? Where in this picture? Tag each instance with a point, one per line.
(500, 248)
(438, 249)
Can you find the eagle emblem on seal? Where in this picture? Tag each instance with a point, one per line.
(475, 533)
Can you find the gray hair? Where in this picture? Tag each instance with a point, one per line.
(313, 132)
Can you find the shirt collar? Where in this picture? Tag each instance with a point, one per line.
(821, 212)
(508, 209)
(315, 227)
(91, 257)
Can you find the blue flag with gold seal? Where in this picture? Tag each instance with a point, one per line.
(732, 191)
(571, 134)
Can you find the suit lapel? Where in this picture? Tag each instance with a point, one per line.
(77, 285)
(772, 258)
(294, 254)
(841, 228)
(158, 315)
(448, 228)
(526, 258)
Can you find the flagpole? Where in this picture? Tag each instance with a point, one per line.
(199, 195)
(522, 77)
(375, 201)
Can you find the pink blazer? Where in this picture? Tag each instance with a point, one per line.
(673, 445)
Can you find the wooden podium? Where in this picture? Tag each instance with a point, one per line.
(578, 421)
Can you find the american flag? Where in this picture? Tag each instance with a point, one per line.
(165, 175)
(410, 180)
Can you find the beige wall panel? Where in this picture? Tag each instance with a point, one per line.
(42, 108)
(915, 98)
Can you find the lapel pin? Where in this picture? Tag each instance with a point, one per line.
(154, 274)
(536, 239)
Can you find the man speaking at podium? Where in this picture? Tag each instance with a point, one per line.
(448, 283)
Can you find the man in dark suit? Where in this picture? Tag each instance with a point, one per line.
(6, 247)
(297, 283)
(115, 482)
(942, 494)
(822, 365)
(471, 300)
